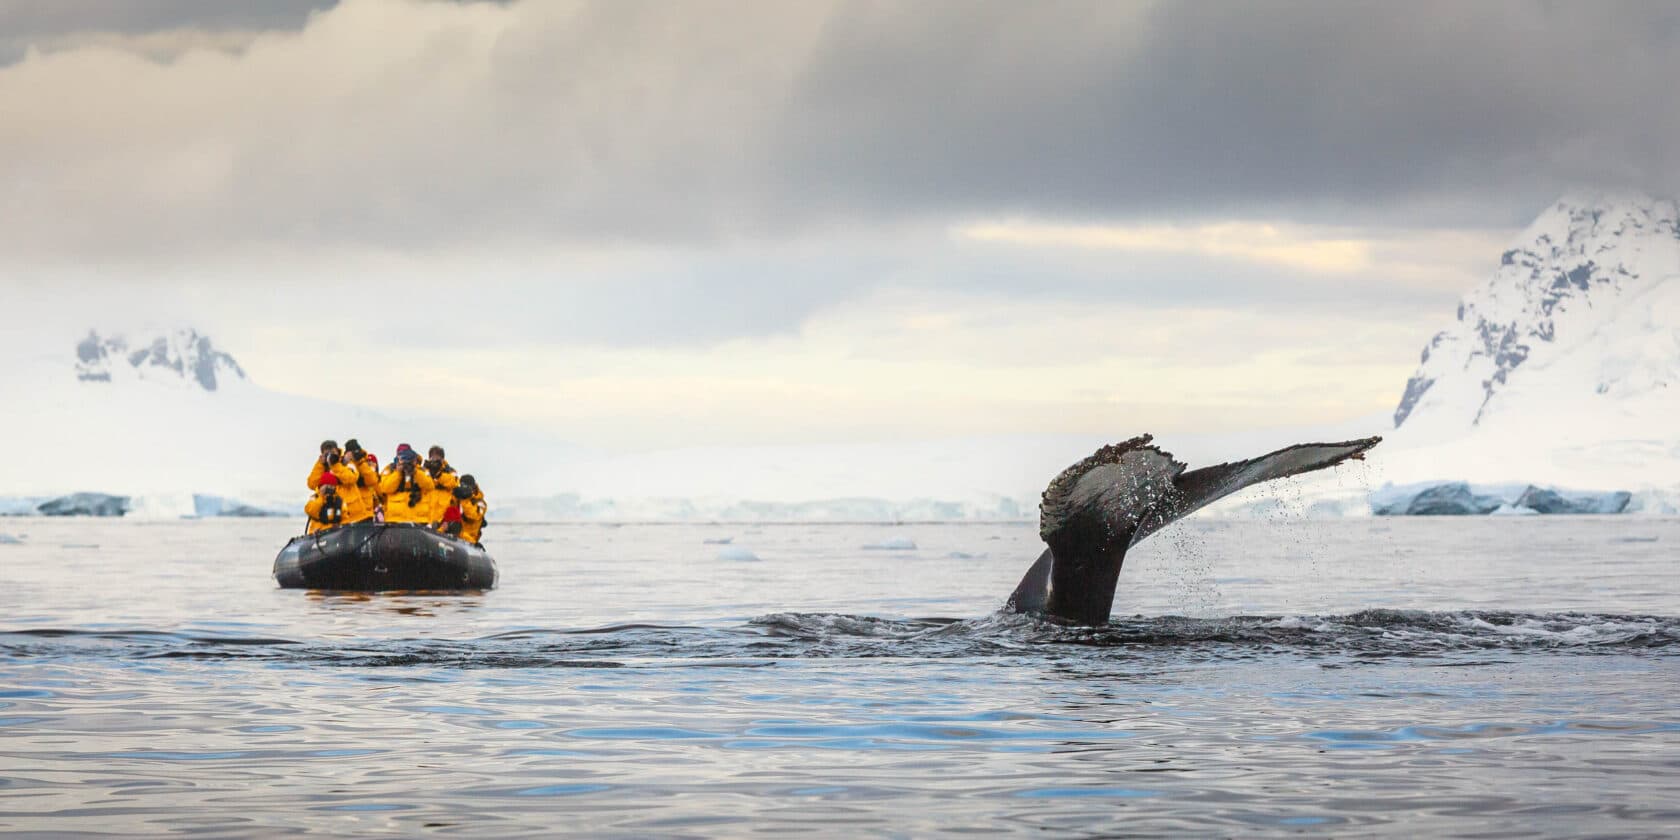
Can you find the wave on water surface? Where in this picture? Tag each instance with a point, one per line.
(766, 640)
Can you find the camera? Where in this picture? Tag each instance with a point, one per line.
(462, 492)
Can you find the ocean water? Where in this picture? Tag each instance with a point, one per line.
(1440, 677)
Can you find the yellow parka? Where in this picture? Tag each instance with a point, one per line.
(322, 515)
(367, 487)
(358, 503)
(472, 516)
(407, 503)
(370, 484)
(442, 495)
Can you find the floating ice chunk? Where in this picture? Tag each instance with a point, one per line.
(737, 554)
(8, 539)
(963, 555)
(718, 540)
(892, 544)
(1547, 500)
(1454, 498)
(85, 504)
(1459, 498)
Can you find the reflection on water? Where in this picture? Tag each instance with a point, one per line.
(1402, 677)
(417, 603)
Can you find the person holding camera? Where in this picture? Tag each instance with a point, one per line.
(471, 502)
(361, 492)
(376, 499)
(464, 515)
(444, 482)
(326, 508)
(331, 462)
(406, 487)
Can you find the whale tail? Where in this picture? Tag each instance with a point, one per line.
(1105, 504)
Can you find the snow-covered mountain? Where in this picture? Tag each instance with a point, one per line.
(1580, 309)
(164, 416)
(181, 357)
(1561, 370)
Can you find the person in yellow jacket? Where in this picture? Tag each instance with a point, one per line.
(363, 492)
(332, 462)
(464, 516)
(444, 480)
(471, 501)
(405, 486)
(326, 508)
(376, 498)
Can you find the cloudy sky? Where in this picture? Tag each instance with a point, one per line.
(644, 224)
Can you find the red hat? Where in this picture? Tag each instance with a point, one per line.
(329, 478)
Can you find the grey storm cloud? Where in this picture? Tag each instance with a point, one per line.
(1451, 112)
(59, 17)
(638, 122)
(58, 22)
(706, 129)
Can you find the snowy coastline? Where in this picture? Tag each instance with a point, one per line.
(1439, 498)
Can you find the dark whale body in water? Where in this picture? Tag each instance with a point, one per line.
(1105, 504)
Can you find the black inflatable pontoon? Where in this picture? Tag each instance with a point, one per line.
(378, 557)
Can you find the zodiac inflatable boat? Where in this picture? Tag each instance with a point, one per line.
(383, 556)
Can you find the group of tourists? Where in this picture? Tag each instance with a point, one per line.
(349, 487)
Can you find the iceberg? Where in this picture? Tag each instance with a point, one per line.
(1450, 499)
(85, 504)
(1543, 500)
(1460, 498)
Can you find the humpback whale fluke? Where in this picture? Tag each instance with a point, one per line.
(1105, 504)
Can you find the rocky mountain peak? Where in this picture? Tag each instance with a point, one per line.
(1560, 281)
(181, 355)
